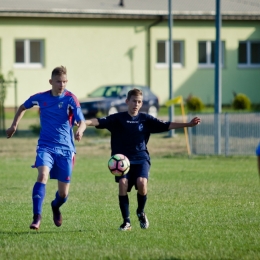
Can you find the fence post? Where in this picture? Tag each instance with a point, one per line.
(226, 134)
(190, 134)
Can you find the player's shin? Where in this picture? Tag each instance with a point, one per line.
(58, 201)
(38, 195)
(141, 201)
(124, 207)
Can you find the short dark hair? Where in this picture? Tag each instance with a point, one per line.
(134, 92)
(59, 71)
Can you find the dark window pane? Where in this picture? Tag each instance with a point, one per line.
(161, 52)
(255, 52)
(19, 51)
(223, 46)
(213, 51)
(202, 52)
(177, 52)
(242, 57)
(35, 52)
(212, 56)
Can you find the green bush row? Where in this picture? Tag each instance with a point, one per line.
(240, 102)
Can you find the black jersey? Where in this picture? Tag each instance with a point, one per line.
(130, 135)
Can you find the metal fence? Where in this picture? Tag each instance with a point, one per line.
(240, 134)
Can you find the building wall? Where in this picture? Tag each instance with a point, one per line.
(95, 53)
(100, 52)
(200, 81)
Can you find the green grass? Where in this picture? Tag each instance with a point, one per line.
(198, 208)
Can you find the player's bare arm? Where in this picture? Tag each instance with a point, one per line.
(18, 116)
(81, 128)
(92, 122)
(195, 121)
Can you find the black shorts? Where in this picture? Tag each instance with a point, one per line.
(136, 171)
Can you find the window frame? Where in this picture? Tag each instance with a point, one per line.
(208, 63)
(166, 63)
(27, 63)
(248, 55)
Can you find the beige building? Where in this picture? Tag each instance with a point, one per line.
(103, 42)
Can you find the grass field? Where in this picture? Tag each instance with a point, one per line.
(199, 207)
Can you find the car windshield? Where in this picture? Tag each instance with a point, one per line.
(107, 91)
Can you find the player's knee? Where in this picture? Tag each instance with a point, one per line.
(63, 194)
(142, 186)
(142, 191)
(43, 178)
(123, 186)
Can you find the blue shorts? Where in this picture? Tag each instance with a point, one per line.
(136, 171)
(257, 151)
(59, 161)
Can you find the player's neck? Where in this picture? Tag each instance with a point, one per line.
(132, 114)
(56, 94)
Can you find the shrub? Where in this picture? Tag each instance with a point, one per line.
(194, 103)
(35, 128)
(102, 132)
(241, 102)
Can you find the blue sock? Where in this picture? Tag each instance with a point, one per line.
(124, 207)
(141, 201)
(58, 201)
(38, 194)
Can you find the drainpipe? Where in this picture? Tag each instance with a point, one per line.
(149, 50)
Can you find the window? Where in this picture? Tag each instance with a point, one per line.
(29, 53)
(207, 54)
(249, 54)
(163, 54)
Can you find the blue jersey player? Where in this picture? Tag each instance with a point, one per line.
(59, 109)
(130, 132)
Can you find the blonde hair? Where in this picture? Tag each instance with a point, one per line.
(59, 71)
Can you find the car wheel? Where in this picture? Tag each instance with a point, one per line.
(112, 110)
(153, 111)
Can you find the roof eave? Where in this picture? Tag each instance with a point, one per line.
(126, 14)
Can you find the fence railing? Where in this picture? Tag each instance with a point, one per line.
(240, 134)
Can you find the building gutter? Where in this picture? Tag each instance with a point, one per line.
(149, 49)
(125, 14)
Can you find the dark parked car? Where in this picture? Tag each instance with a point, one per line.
(108, 100)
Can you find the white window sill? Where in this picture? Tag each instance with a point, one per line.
(165, 66)
(28, 66)
(207, 66)
(248, 66)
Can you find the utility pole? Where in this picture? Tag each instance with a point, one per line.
(218, 87)
(171, 108)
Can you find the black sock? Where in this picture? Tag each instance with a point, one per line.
(141, 201)
(124, 207)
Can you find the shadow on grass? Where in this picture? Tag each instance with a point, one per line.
(19, 134)
(34, 232)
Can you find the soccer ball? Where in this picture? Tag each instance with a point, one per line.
(119, 165)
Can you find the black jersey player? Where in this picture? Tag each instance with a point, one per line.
(130, 132)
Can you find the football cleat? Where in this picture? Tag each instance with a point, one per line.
(126, 226)
(36, 222)
(57, 217)
(144, 223)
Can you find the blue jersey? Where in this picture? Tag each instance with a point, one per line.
(57, 117)
(130, 135)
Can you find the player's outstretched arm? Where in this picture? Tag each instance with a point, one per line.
(18, 116)
(92, 122)
(81, 128)
(174, 125)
